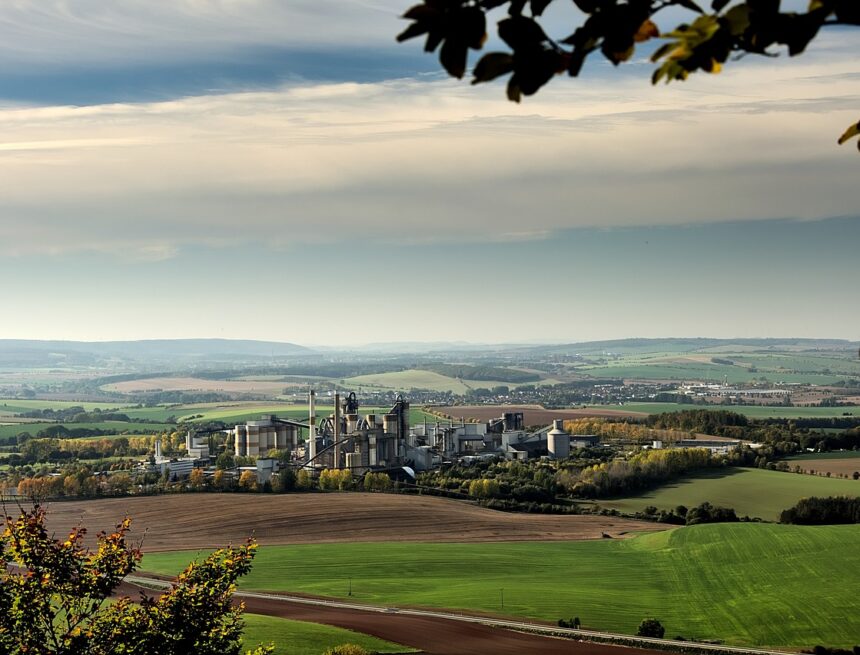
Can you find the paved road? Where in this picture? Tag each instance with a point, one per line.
(449, 633)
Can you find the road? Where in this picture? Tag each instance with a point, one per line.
(440, 632)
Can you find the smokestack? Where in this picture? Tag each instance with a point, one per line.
(312, 421)
(158, 447)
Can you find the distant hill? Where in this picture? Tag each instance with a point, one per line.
(22, 353)
(629, 346)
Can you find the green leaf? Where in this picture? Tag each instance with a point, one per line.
(416, 29)
(521, 33)
(718, 5)
(538, 6)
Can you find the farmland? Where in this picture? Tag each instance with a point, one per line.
(740, 596)
(751, 411)
(751, 492)
(840, 463)
(192, 521)
(303, 638)
(419, 379)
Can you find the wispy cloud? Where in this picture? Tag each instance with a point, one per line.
(427, 161)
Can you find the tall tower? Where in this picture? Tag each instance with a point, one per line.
(312, 423)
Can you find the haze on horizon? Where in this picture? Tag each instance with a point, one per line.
(283, 171)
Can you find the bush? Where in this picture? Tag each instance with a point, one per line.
(347, 649)
(651, 628)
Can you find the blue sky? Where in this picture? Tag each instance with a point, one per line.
(167, 167)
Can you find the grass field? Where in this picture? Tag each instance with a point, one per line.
(751, 492)
(115, 427)
(752, 411)
(703, 372)
(302, 638)
(756, 584)
(16, 406)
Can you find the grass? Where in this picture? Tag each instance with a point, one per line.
(752, 411)
(115, 427)
(303, 638)
(704, 371)
(753, 584)
(841, 454)
(751, 492)
(16, 405)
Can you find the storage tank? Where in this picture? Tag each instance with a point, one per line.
(241, 448)
(558, 441)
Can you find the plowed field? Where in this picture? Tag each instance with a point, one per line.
(190, 521)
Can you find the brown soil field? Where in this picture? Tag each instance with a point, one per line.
(430, 635)
(836, 466)
(197, 384)
(532, 414)
(206, 520)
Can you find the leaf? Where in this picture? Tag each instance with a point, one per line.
(416, 29)
(493, 65)
(718, 5)
(852, 131)
(689, 4)
(520, 32)
(421, 12)
(647, 30)
(453, 57)
(538, 6)
(586, 6)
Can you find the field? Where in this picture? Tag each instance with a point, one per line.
(742, 583)
(420, 379)
(115, 427)
(532, 414)
(752, 411)
(843, 463)
(193, 521)
(751, 492)
(197, 384)
(303, 638)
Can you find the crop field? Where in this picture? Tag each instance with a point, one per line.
(751, 492)
(303, 638)
(752, 411)
(16, 405)
(693, 370)
(115, 427)
(534, 414)
(741, 583)
(842, 463)
(192, 521)
(420, 379)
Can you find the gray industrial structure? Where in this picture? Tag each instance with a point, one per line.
(256, 438)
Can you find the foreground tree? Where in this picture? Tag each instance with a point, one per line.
(651, 628)
(53, 597)
(613, 28)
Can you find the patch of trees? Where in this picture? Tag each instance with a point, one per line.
(643, 470)
(75, 414)
(469, 372)
(833, 510)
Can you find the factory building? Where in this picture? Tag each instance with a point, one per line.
(256, 438)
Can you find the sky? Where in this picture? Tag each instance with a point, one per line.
(262, 169)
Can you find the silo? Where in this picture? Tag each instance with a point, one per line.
(253, 440)
(241, 449)
(558, 441)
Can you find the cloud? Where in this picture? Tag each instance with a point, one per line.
(95, 32)
(427, 161)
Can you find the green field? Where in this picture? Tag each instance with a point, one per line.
(751, 492)
(747, 583)
(302, 638)
(116, 427)
(703, 371)
(752, 411)
(15, 405)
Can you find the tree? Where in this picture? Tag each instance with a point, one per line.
(248, 481)
(614, 28)
(225, 461)
(651, 628)
(53, 601)
(197, 478)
